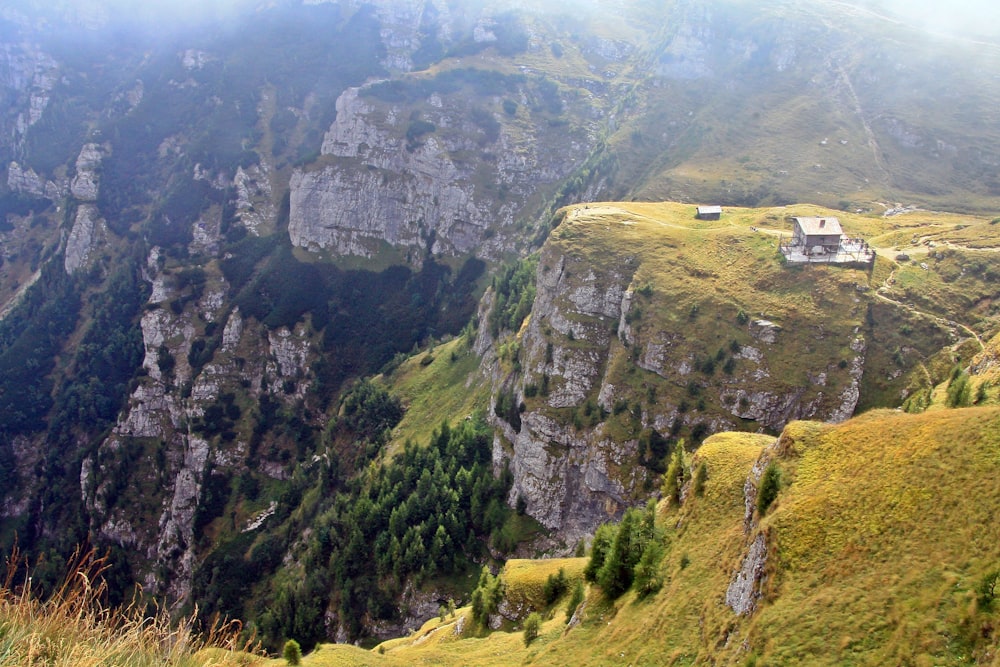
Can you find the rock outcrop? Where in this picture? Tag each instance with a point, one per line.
(392, 179)
(602, 363)
(744, 590)
(88, 227)
(85, 184)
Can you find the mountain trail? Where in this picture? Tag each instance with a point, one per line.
(887, 284)
(16, 299)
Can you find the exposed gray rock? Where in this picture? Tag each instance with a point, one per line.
(149, 413)
(28, 76)
(233, 332)
(379, 186)
(768, 408)
(254, 204)
(852, 392)
(87, 227)
(688, 54)
(28, 182)
(193, 59)
(158, 327)
(86, 182)
(206, 236)
(745, 588)
(764, 331)
(290, 350)
(175, 549)
(568, 477)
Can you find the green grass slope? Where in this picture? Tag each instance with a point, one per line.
(878, 545)
(698, 285)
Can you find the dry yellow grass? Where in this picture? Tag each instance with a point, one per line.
(876, 543)
(73, 628)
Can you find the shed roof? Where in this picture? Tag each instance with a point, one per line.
(819, 226)
(706, 210)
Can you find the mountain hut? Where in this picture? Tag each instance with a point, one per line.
(817, 236)
(709, 212)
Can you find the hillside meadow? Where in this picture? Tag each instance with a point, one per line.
(881, 545)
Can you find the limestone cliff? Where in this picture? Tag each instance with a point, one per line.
(614, 352)
(450, 174)
(166, 431)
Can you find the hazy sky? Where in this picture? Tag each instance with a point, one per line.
(962, 16)
(978, 16)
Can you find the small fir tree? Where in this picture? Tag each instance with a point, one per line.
(676, 475)
(292, 652)
(770, 484)
(532, 625)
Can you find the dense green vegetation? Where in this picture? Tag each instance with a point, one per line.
(626, 553)
(514, 289)
(30, 340)
(429, 512)
(351, 526)
(107, 358)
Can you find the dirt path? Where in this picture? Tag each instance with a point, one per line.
(21, 291)
(951, 324)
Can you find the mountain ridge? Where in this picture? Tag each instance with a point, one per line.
(209, 237)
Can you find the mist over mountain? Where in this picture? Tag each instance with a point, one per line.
(307, 309)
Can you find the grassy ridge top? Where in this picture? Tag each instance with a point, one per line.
(877, 542)
(883, 535)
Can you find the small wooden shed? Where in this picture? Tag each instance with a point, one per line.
(709, 212)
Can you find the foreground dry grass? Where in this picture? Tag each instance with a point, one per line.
(74, 629)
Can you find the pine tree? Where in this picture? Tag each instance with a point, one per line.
(615, 576)
(676, 475)
(292, 652)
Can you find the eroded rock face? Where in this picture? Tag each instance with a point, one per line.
(29, 74)
(571, 478)
(745, 589)
(27, 181)
(87, 228)
(159, 434)
(254, 204)
(85, 184)
(595, 377)
(410, 183)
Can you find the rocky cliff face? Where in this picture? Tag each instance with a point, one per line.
(228, 174)
(27, 77)
(602, 367)
(450, 174)
(88, 227)
(167, 428)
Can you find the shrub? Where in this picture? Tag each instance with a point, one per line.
(531, 627)
(647, 571)
(598, 551)
(959, 393)
(555, 586)
(986, 591)
(616, 574)
(673, 479)
(770, 484)
(487, 597)
(575, 600)
(700, 477)
(292, 652)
